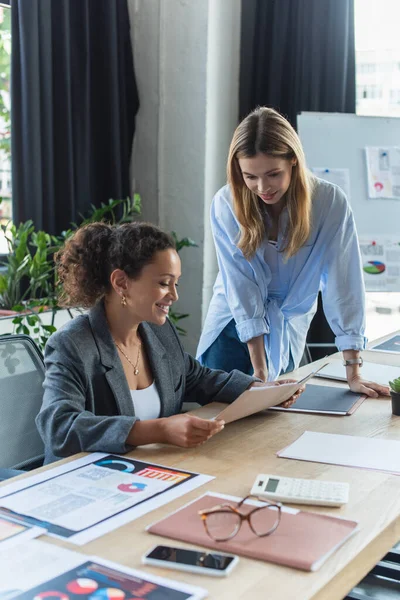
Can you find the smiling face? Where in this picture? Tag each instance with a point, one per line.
(150, 296)
(267, 176)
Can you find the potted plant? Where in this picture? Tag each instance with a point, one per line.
(28, 287)
(395, 394)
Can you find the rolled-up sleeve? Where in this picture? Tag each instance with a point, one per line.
(343, 292)
(240, 285)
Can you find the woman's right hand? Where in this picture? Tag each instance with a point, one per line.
(188, 431)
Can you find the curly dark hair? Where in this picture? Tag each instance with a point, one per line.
(87, 259)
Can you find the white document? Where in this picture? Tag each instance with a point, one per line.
(381, 262)
(252, 401)
(340, 177)
(383, 168)
(346, 450)
(370, 371)
(30, 563)
(95, 494)
(34, 566)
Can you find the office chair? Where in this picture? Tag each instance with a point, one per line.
(21, 378)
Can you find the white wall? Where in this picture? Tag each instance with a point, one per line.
(186, 55)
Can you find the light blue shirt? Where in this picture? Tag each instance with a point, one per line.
(278, 298)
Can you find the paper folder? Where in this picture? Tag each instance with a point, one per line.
(303, 540)
(252, 401)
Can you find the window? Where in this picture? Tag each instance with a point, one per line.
(377, 57)
(5, 120)
(378, 94)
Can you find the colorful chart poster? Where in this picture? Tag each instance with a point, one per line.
(36, 569)
(32, 562)
(381, 263)
(383, 169)
(90, 496)
(102, 580)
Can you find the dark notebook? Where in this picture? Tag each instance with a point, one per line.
(323, 399)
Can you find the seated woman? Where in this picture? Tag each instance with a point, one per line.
(116, 376)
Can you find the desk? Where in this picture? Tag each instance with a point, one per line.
(249, 446)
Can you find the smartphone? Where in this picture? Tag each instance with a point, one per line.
(194, 561)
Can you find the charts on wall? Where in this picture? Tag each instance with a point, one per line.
(383, 168)
(381, 263)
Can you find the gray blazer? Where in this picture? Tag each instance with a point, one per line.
(87, 405)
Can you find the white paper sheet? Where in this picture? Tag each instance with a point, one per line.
(381, 262)
(346, 450)
(90, 496)
(383, 168)
(370, 371)
(340, 177)
(26, 565)
(30, 569)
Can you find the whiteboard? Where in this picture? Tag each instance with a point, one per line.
(337, 140)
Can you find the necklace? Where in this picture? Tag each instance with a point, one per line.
(134, 366)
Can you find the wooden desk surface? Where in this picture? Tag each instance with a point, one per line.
(248, 447)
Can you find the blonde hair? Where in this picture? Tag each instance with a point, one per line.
(265, 131)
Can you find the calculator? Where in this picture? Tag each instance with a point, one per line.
(301, 491)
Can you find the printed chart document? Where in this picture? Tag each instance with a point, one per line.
(39, 570)
(12, 532)
(346, 450)
(252, 401)
(370, 371)
(383, 167)
(391, 345)
(90, 496)
(30, 563)
(381, 262)
(98, 579)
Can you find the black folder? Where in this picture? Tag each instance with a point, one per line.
(325, 400)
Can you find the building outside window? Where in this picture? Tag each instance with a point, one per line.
(377, 57)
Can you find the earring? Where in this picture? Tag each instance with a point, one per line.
(123, 300)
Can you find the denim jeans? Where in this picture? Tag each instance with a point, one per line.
(227, 352)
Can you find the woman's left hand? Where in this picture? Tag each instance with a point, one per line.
(292, 399)
(369, 388)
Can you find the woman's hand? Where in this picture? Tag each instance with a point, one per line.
(369, 388)
(188, 431)
(292, 399)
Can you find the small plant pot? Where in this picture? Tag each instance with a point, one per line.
(395, 403)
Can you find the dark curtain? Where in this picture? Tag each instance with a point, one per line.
(297, 55)
(73, 105)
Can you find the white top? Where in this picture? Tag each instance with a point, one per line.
(146, 403)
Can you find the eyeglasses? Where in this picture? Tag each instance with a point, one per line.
(222, 522)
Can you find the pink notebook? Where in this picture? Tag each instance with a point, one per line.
(303, 540)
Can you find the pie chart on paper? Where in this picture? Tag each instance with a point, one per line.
(374, 267)
(108, 594)
(82, 586)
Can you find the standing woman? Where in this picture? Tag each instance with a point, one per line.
(281, 236)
